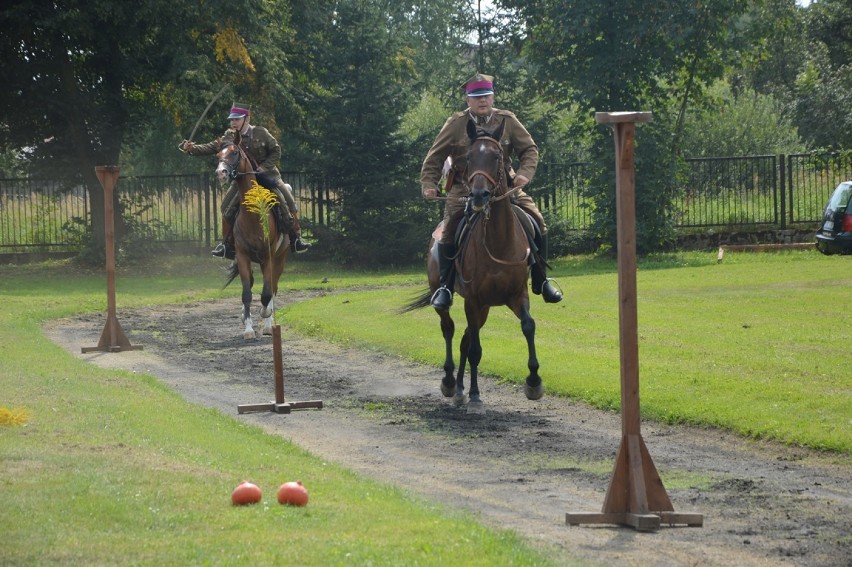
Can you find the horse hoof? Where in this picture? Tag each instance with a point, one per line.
(448, 391)
(534, 393)
(267, 331)
(475, 407)
(459, 399)
(248, 335)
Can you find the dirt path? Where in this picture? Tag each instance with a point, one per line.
(516, 467)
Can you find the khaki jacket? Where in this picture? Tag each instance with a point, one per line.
(258, 142)
(453, 141)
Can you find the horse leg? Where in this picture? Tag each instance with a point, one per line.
(534, 387)
(267, 305)
(448, 329)
(460, 398)
(475, 321)
(247, 280)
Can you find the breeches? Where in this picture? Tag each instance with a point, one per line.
(454, 210)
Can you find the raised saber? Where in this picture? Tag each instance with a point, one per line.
(206, 110)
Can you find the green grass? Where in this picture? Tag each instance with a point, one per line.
(758, 345)
(115, 468)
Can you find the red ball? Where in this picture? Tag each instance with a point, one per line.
(293, 493)
(246, 493)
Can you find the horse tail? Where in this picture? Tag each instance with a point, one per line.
(231, 274)
(418, 302)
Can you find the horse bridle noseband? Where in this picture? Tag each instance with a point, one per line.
(232, 165)
(501, 174)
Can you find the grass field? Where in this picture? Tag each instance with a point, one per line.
(114, 468)
(758, 344)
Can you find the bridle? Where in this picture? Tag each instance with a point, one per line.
(231, 162)
(497, 182)
(501, 171)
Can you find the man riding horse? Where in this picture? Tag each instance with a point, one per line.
(453, 142)
(264, 152)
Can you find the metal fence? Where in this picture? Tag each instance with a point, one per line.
(716, 192)
(764, 191)
(172, 209)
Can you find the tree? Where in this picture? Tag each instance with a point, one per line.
(82, 78)
(824, 85)
(630, 55)
(360, 151)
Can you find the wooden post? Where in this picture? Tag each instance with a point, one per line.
(112, 338)
(636, 495)
(279, 405)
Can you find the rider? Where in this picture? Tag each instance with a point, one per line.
(453, 142)
(264, 152)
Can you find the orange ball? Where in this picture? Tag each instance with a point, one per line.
(293, 494)
(246, 493)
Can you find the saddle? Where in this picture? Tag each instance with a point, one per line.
(469, 220)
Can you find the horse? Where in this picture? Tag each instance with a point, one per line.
(270, 250)
(491, 269)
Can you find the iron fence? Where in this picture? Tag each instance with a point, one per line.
(173, 209)
(767, 191)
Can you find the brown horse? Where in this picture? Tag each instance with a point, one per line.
(250, 242)
(491, 269)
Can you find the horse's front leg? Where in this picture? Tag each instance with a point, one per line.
(475, 320)
(248, 331)
(534, 387)
(267, 304)
(448, 330)
(460, 398)
(267, 313)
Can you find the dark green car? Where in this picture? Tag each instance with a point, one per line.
(835, 234)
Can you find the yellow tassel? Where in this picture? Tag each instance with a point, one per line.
(260, 200)
(14, 416)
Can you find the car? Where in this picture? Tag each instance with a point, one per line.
(835, 234)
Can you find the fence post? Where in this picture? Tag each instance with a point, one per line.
(782, 173)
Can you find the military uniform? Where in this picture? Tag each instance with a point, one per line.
(264, 151)
(453, 141)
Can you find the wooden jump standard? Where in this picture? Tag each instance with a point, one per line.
(279, 405)
(636, 495)
(112, 338)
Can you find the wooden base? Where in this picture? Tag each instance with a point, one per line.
(636, 495)
(640, 522)
(279, 405)
(285, 407)
(112, 338)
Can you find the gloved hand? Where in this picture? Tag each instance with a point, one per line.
(186, 146)
(430, 193)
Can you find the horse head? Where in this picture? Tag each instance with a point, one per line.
(485, 175)
(232, 160)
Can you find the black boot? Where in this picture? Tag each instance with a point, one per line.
(443, 296)
(225, 249)
(546, 287)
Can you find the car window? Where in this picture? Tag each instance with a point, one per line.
(841, 196)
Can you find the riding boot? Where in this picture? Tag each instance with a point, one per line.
(443, 296)
(541, 284)
(296, 243)
(225, 249)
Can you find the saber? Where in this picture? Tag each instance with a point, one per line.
(206, 110)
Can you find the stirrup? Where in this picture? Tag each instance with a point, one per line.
(300, 245)
(438, 301)
(550, 291)
(219, 251)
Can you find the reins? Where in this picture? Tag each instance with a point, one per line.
(498, 182)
